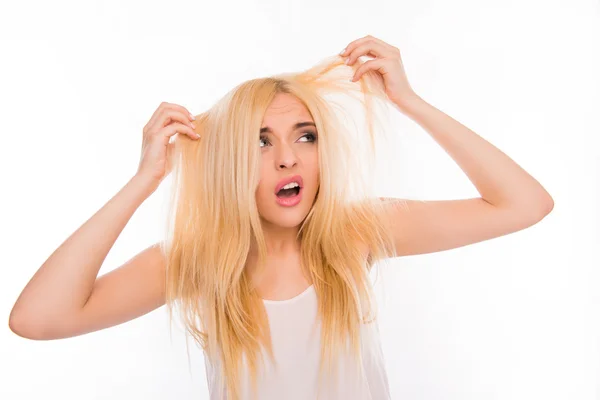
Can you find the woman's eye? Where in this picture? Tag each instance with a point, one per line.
(311, 138)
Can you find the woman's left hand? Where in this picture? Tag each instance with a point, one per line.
(387, 62)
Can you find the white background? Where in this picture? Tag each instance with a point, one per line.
(512, 318)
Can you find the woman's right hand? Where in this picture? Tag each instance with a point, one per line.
(167, 120)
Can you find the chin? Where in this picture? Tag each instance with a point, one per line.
(287, 217)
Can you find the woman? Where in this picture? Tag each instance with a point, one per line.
(270, 247)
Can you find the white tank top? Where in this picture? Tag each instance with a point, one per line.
(295, 334)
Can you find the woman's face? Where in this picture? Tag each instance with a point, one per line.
(287, 151)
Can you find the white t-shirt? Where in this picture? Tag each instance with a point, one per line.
(295, 334)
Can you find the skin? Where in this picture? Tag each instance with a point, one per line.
(510, 200)
(285, 152)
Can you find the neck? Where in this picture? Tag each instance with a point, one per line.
(280, 241)
(283, 250)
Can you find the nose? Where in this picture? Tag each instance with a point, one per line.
(286, 158)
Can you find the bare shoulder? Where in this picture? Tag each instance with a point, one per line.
(364, 249)
(362, 246)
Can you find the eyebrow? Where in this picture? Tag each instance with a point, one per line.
(296, 126)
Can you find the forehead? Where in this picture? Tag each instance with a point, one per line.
(285, 107)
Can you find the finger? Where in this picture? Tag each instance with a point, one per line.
(376, 64)
(155, 114)
(177, 127)
(371, 49)
(359, 42)
(168, 116)
(166, 106)
(352, 45)
(182, 109)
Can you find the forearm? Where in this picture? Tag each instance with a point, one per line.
(498, 179)
(62, 285)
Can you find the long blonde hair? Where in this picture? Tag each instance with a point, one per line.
(213, 219)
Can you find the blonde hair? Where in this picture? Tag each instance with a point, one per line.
(213, 219)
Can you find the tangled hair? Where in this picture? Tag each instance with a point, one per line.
(213, 219)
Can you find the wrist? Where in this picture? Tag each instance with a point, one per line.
(409, 102)
(144, 184)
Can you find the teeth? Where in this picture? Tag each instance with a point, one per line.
(291, 185)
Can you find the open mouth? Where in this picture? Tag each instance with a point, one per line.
(284, 193)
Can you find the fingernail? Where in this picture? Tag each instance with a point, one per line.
(347, 61)
(197, 136)
(342, 52)
(192, 117)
